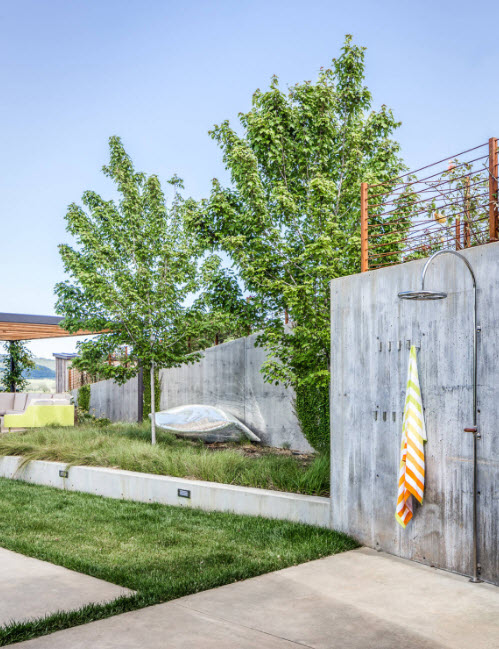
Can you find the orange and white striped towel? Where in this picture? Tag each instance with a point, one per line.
(412, 462)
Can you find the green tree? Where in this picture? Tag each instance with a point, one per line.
(129, 274)
(17, 360)
(290, 219)
(221, 310)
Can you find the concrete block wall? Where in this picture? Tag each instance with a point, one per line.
(229, 376)
(369, 373)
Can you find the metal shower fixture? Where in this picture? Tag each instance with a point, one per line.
(424, 294)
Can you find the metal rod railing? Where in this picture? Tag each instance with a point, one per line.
(461, 225)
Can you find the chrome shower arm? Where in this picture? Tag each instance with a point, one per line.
(450, 252)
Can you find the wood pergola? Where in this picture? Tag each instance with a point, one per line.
(20, 326)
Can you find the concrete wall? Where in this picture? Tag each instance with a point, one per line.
(229, 377)
(147, 488)
(116, 402)
(371, 329)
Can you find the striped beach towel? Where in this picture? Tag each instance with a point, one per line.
(412, 462)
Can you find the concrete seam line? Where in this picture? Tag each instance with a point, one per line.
(244, 626)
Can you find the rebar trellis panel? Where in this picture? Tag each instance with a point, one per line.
(410, 217)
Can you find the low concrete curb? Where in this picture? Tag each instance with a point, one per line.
(144, 487)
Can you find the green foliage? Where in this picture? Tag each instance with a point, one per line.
(131, 269)
(84, 398)
(458, 196)
(160, 552)
(290, 221)
(312, 411)
(146, 395)
(221, 311)
(18, 361)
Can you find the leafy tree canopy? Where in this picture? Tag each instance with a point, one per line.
(290, 218)
(129, 273)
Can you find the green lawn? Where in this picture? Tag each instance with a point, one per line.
(161, 552)
(127, 446)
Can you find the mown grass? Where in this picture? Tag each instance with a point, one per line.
(127, 446)
(160, 552)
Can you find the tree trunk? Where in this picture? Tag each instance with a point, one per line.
(153, 407)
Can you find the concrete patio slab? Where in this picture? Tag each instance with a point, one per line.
(30, 588)
(356, 600)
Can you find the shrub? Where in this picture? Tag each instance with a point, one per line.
(312, 409)
(84, 398)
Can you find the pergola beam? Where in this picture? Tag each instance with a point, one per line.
(17, 326)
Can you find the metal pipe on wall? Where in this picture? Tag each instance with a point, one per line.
(432, 295)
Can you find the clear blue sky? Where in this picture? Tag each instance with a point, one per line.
(161, 73)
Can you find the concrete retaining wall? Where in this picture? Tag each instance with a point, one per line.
(229, 376)
(371, 331)
(144, 487)
(116, 402)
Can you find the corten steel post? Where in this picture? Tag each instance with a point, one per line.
(458, 233)
(467, 227)
(364, 260)
(493, 169)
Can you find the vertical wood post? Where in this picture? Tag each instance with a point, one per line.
(493, 211)
(364, 260)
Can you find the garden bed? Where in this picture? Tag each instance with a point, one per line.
(128, 447)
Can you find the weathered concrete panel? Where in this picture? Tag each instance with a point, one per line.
(116, 402)
(371, 331)
(149, 488)
(228, 376)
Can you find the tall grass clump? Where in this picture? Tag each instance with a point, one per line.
(127, 446)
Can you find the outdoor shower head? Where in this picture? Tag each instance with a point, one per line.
(422, 295)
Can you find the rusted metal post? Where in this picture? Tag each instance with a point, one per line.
(467, 229)
(493, 211)
(458, 233)
(364, 259)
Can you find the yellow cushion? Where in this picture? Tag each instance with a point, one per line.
(37, 416)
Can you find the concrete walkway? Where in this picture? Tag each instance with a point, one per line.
(355, 600)
(30, 588)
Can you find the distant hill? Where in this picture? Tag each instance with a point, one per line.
(46, 362)
(40, 372)
(45, 368)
